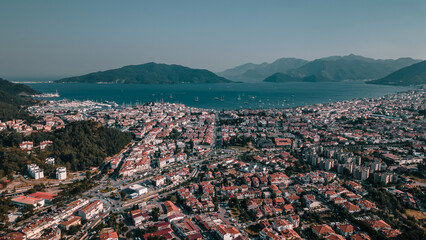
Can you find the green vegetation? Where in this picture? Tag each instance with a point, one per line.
(155, 214)
(411, 75)
(250, 70)
(14, 98)
(281, 77)
(78, 146)
(337, 68)
(149, 73)
(5, 206)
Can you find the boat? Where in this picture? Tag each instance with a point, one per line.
(222, 98)
(196, 99)
(216, 98)
(171, 95)
(239, 98)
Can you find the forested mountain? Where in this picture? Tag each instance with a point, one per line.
(332, 69)
(411, 75)
(350, 67)
(14, 98)
(281, 78)
(254, 71)
(149, 73)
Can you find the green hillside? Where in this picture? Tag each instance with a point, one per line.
(411, 75)
(149, 73)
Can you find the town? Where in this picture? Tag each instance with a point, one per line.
(352, 169)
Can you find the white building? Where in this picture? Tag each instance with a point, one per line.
(91, 210)
(61, 173)
(227, 233)
(23, 201)
(138, 189)
(34, 171)
(50, 161)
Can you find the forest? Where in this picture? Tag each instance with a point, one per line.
(78, 146)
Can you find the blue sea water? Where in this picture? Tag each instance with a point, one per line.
(221, 96)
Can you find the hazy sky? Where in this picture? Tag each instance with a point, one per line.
(52, 39)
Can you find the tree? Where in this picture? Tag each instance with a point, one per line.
(88, 174)
(173, 198)
(155, 213)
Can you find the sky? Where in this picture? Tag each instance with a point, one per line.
(51, 39)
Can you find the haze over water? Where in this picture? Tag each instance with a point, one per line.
(222, 96)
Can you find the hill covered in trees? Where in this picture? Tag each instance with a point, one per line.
(330, 69)
(149, 73)
(351, 67)
(14, 98)
(411, 75)
(263, 70)
(78, 146)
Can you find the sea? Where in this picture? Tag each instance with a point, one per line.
(221, 96)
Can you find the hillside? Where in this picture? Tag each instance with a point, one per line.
(15, 89)
(281, 77)
(14, 98)
(411, 75)
(350, 67)
(340, 68)
(78, 146)
(149, 73)
(260, 71)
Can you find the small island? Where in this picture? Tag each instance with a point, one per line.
(149, 73)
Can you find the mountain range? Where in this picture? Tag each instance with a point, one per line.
(260, 71)
(149, 73)
(411, 75)
(334, 68)
(328, 69)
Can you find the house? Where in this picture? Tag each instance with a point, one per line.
(171, 208)
(282, 224)
(159, 180)
(109, 236)
(186, 228)
(61, 173)
(360, 236)
(345, 229)
(14, 236)
(227, 233)
(48, 197)
(311, 201)
(23, 201)
(163, 162)
(334, 236)
(73, 221)
(350, 207)
(378, 224)
(322, 230)
(26, 145)
(366, 205)
(294, 219)
(91, 210)
(138, 217)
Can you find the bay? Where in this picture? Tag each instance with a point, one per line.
(221, 96)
